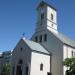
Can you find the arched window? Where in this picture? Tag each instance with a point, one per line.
(36, 39)
(41, 67)
(42, 16)
(51, 16)
(26, 70)
(21, 48)
(40, 38)
(20, 61)
(45, 37)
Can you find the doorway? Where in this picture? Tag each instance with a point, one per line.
(19, 68)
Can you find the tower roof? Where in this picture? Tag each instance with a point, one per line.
(45, 3)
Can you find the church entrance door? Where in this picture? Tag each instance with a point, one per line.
(19, 70)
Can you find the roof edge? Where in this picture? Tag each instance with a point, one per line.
(44, 2)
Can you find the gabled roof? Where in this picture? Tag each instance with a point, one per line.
(65, 39)
(35, 46)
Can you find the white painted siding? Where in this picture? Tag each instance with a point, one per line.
(67, 53)
(36, 60)
(51, 11)
(51, 24)
(55, 47)
(25, 55)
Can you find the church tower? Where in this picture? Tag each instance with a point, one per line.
(46, 17)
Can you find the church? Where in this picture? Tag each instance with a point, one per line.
(45, 52)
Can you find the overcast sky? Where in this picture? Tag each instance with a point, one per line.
(19, 16)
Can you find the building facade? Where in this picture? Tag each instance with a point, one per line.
(5, 58)
(45, 52)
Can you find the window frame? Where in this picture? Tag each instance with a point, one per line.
(42, 16)
(40, 38)
(45, 37)
(52, 17)
(41, 67)
(36, 39)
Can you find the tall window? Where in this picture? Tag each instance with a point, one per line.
(20, 61)
(26, 70)
(41, 67)
(48, 73)
(21, 48)
(40, 39)
(42, 16)
(51, 16)
(45, 37)
(36, 39)
(72, 53)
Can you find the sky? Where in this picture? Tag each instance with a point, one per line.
(19, 16)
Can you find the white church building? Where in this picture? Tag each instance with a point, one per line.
(45, 52)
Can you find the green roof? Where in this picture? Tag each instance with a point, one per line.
(35, 46)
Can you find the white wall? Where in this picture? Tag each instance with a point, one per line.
(25, 55)
(55, 47)
(67, 53)
(51, 24)
(36, 60)
(51, 11)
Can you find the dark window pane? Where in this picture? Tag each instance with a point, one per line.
(26, 70)
(36, 39)
(45, 37)
(48, 73)
(21, 49)
(20, 61)
(42, 16)
(41, 67)
(40, 40)
(51, 16)
(72, 53)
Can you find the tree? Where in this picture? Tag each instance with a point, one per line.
(70, 64)
(6, 69)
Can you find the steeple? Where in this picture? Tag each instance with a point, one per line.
(46, 17)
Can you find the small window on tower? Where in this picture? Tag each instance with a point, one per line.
(36, 39)
(51, 16)
(40, 39)
(45, 37)
(41, 67)
(42, 16)
(72, 53)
